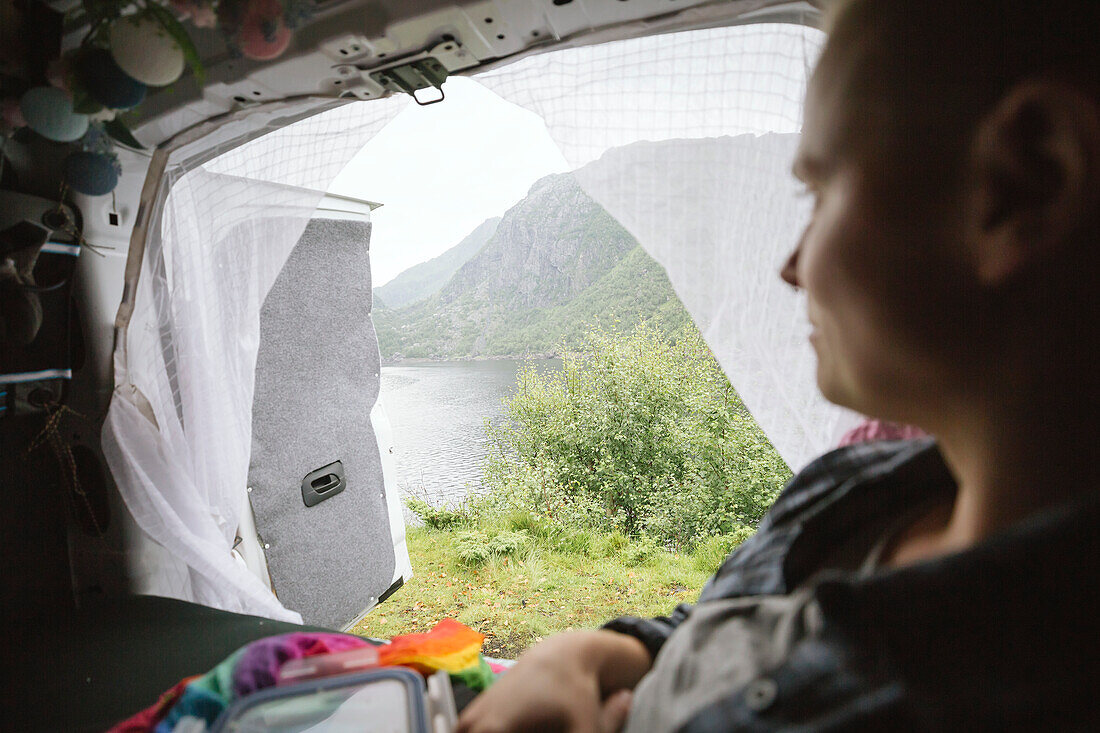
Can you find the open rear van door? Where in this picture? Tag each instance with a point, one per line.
(321, 478)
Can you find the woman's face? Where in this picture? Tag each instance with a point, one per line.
(879, 287)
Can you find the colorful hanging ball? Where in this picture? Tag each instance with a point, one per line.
(92, 174)
(49, 112)
(107, 83)
(263, 34)
(145, 51)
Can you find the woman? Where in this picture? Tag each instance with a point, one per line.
(951, 269)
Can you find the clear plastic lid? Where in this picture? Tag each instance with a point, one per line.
(327, 665)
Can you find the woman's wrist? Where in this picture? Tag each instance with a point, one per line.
(616, 660)
(624, 662)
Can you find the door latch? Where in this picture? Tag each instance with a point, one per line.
(324, 483)
(412, 77)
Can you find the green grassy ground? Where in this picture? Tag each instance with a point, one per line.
(550, 582)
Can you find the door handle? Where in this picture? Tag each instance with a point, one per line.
(324, 483)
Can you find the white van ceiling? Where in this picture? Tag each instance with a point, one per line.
(367, 49)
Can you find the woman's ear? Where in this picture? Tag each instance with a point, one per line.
(1034, 178)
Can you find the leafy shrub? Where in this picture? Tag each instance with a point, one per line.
(437, 517)
(638, 433)
(578, 542)
(472, 548)
(710, 553)
(522, 521)
(507, 543)
(640, 551)
(476, 547)
(613, 544)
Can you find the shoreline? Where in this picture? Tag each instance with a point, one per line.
(500, 357)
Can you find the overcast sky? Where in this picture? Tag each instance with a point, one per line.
(441, 170)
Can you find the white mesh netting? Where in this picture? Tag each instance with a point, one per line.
(188, 356)
(687, 139)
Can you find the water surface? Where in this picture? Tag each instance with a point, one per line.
(437, 411)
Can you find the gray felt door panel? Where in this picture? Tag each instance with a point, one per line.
(317, 378)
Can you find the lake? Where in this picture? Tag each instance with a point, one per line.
(437, 411)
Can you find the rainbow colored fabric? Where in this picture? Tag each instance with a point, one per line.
(449, 646)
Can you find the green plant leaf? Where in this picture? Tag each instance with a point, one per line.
(179, 35)
(98, 10)
(118, 130)
(83, 102)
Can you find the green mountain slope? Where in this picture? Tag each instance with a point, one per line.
(635, 290)
(556, 263)
(422, 280)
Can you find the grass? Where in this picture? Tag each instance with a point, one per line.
(518, 580)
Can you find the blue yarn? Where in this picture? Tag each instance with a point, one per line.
(92, 174)
(108, 84)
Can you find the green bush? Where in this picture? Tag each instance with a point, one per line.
(438, 517)
(614, 544)
(507, 543)
(472, 548)
(641, 551)
(578, 542)
(476, 547)
(712, 551)
(638, 432)
(519, 520)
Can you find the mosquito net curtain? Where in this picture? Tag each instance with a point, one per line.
(687, 139)
(178, 432)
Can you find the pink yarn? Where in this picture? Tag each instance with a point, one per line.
(263, 34)
(200, 12)
(874, 429)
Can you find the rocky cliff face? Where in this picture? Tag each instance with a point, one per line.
(425, 279)
(547, 249)
(558, 261)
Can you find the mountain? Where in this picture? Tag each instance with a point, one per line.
(556, 262)
(547, 249)
(419, 282)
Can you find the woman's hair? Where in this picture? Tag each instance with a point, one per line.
(938, 67)
(922, 77)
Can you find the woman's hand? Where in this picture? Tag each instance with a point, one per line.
(578, 682)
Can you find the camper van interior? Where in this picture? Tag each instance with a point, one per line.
(190, 425)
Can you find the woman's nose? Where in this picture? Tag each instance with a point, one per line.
(789, 271)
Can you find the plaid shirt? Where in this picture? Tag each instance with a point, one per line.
(1000, 636)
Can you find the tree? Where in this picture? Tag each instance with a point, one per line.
(639, 432)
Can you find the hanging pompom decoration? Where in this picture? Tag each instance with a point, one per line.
(94, 169)
(49, 112)
(263, 34)
(200, 12)
(107, 83)
(92, 174)
(145, 51)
